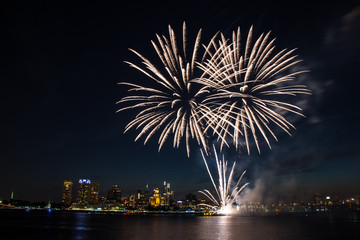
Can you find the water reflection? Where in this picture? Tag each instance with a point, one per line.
(81, 225)
(220, 227)
(224, 227)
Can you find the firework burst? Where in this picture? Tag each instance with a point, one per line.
(226, 192)
(249, 85)
(168, 102)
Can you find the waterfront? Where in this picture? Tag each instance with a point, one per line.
(19, 224)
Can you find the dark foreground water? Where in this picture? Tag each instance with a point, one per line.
(19, 224)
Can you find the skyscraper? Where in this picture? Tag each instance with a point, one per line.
(147, 193)
(168, 195)
(83, 193)
(114, 194)
(139, 194)
(66, 195)
(94, 192)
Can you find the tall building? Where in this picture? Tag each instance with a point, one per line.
(166, 187)
(67, 191)
(139, 194)
(147, 193)
(168, 195)
(142, 199)
(132, 201)
(83, 193)
(156, 200)
(114, 194)
(147, 190)
(94, 192)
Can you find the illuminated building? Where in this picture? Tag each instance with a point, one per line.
(318, 202)
(83, 193)
(94, 192)
(114, 194)
(66, 195)
(166, 187)
(156, 200)
(132, 201)
(139, 194)
(142, 200)
(168, 195)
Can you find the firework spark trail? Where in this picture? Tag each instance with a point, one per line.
(238, 96)
(170, 104)
(225, 190)
(249, 86)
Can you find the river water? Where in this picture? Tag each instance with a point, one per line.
(35, 224)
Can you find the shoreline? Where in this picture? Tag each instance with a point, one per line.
(336, 214)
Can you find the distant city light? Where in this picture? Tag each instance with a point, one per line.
(327, 197)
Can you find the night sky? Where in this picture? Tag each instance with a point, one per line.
(61, 62)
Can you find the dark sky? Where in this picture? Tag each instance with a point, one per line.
(61, 62)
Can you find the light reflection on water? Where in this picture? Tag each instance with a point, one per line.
(82, 225)
(224, 227)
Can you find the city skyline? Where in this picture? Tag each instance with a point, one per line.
(156, 198)
(69, 194)
(69, 190)
(60, 68)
